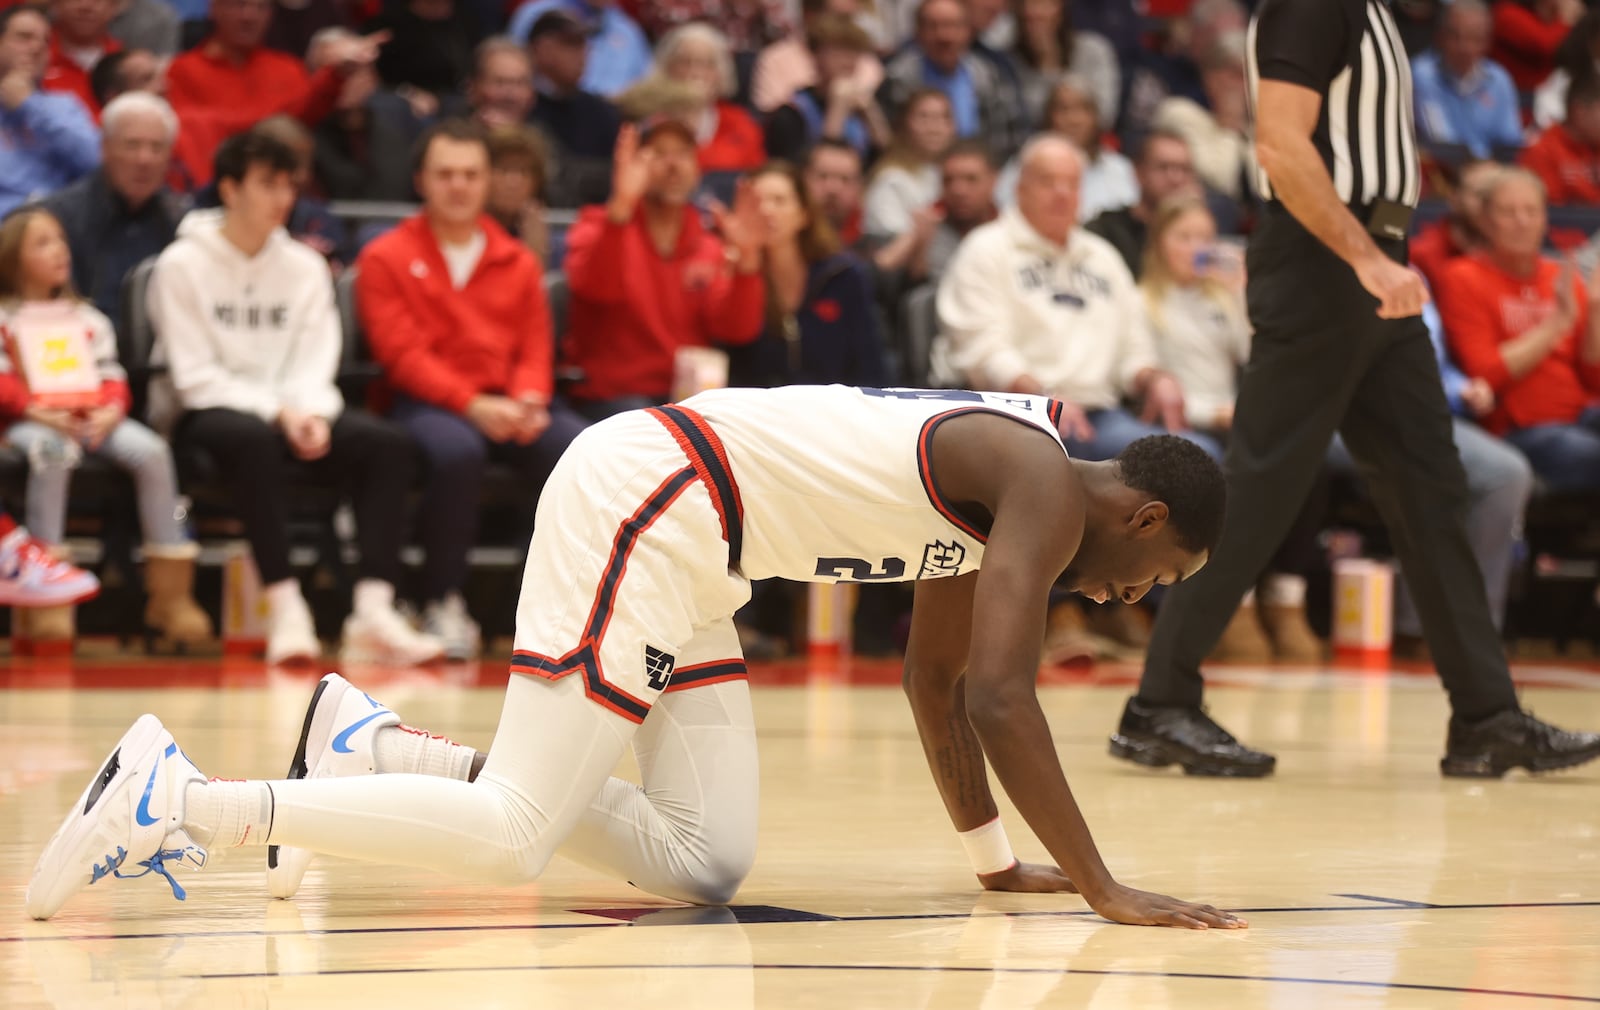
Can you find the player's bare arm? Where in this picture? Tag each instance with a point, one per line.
(936, 659)
(1039, 507)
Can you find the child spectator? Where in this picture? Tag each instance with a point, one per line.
(906, 179)
(57, 411)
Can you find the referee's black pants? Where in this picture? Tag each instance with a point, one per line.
(1322, 361)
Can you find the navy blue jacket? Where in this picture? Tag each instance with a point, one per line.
(108, 238)
(833, 337)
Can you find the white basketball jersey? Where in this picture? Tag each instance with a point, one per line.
(835, 481)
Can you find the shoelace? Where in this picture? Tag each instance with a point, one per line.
(155, 864)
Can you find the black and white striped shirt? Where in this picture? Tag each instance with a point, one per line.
(1348, 51)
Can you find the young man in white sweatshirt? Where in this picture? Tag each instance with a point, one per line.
(245, 320)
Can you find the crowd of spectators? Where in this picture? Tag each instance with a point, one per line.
(769, 178)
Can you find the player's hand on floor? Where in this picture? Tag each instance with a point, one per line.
(1029, 878)
(1146, 908)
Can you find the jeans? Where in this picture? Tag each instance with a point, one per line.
(132, 447)
(1115, 429)
(457, 454)
(1566, 456)
(1499, 483)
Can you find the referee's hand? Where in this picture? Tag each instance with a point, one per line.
(1399, 289)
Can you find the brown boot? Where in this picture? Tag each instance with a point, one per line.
(1293, 641)
(45, 630)
(1244, 640)
(171, 614)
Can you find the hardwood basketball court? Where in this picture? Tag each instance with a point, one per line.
(1368, 880)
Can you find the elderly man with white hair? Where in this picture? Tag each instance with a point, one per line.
(122, 212)
(1032, 303)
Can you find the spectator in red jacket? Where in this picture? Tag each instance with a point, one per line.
(1566, 157)
(455, 311)
(231, 81)
(1461, 230)
(1527, 34)
(78, 39)
(730, 140)
(1527, 325)
(648, 278)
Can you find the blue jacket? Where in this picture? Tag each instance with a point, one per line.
(45, 143)
(834, 337)
(619, 54)
(1479, 112)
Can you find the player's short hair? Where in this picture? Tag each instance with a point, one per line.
(239, 152)
(1178, 472)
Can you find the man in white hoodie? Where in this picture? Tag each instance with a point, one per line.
(245, 319)
(1032, 303)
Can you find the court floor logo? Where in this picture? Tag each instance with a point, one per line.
(658, 666)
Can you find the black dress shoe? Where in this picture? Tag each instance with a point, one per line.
(1489, 748)
(1160, 735)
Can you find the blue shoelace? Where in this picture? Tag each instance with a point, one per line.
(112, 867)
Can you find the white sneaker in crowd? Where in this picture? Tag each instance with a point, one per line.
(291, 633)
(30, 576)
(382, 635)
(448, 621)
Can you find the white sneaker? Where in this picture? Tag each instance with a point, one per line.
(292, 634)
(336, 740)
(30, 576)
(131, 814)
(383, 636)
(448, 621)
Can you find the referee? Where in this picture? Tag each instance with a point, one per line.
(1339, 346)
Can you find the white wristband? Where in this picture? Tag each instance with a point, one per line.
(987, 848)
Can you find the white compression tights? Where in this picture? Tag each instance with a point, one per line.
(687, 833)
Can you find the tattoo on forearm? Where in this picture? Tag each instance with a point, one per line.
(961, 762)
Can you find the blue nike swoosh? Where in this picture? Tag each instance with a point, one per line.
(142, 815)
(341, 743)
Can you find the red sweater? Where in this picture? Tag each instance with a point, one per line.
(738, 145)
(1569, 168)
(1483, 307)
(216, 98)
(1432, 250)
(445, 346)
(62, 74)
(632, 308)
(1525, 44)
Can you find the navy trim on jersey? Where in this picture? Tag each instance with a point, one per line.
(702, 674)
(586, 657)
(705, 451)
(595, 684)
(930, 486)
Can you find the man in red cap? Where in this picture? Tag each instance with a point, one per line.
(647, 277)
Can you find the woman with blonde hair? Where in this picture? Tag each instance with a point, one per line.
(905, 183)
(728, 137)
(1193, 288)
(63, 394)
